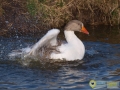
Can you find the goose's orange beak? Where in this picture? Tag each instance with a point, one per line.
(84, 30)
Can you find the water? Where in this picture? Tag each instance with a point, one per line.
(101, 62)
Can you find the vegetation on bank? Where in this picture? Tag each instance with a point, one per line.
(89, 11)
(36, 15)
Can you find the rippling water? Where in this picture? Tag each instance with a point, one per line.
(101, 62)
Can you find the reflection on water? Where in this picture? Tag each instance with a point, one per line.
(103, 34)
(101, 62)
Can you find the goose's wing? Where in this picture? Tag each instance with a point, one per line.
(49, 39)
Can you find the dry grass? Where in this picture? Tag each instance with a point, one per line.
(56, 13)
(36, 15)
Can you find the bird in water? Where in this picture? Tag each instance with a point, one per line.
(73, 49)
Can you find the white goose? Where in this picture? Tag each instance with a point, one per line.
(74, 48)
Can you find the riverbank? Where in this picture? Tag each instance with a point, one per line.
(32, 16)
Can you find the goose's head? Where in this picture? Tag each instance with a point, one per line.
(76, 25)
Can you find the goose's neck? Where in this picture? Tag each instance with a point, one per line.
(71, 37)
(73, 40)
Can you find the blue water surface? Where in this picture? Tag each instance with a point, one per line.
(101, 62)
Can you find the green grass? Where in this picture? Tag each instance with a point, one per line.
(32, 8)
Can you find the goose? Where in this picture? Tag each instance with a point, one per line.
(73, 49)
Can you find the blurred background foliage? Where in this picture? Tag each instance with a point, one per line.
(36, 15)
